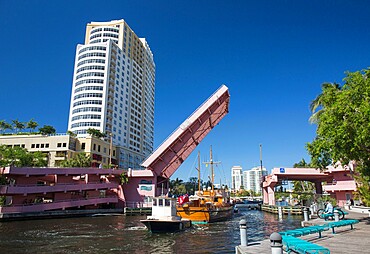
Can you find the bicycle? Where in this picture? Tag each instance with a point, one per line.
(337, 210)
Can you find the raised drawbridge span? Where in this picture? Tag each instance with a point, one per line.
(168, 157)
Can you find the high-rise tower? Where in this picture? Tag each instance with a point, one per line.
(113, 89)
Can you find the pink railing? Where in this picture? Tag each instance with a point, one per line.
(25, 189)
(40, 207)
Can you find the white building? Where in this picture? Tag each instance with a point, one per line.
(113, 89)
(236, 178)
(253, 178)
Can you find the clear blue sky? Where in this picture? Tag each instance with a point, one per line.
(273, 56)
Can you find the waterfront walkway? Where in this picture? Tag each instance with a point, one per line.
(343, 241)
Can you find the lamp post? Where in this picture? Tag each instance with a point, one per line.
(110, 148)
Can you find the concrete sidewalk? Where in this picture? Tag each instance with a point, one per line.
(343, 241)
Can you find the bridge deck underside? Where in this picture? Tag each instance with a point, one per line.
(169, 156)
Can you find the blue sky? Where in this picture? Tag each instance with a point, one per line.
(273, 56)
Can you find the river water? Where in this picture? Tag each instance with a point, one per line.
(125, 234)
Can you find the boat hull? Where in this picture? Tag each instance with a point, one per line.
(160, 226)
(205, 214)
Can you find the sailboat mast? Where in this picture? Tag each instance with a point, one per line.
(213, 175)
(198, 171)
(211, 162)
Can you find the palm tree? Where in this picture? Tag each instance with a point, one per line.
(95, 133)
(32, 125)
(81, 160)
(323, 100)
(17, 125)
(2, 126)
(8, 126)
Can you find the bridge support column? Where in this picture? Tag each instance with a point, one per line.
(318, 187)
(271, 195)
(265, 195)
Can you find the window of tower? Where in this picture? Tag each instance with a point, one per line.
(87, 81)
(87, 102)
(96, 30)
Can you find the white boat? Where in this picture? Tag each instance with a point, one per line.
(164, 218)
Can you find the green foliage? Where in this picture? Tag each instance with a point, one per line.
(80, 160)
(4, 126)
(20, 157)
(47, 130)
(244, 193)
(342, 115)
(3, 180)
(95, 133)
(177, 187)
(32, 125)
(323, 199)
(123, 178)
(363, 188)
(70, 133)
(17, 125)
(2, 200)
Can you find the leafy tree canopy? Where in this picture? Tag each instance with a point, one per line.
(47, 130)
(20, 157)
(80, 160)
(95, 133)
(32, 125)
(342, 115)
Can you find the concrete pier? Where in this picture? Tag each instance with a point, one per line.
(343, 241)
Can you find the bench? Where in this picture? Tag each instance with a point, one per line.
(301, 246)
(305, 231)
(341, 223)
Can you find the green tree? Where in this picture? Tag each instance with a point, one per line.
(18, 126)
(47, 130)
(95, 133)
(5, 126)
(20, 157)
(70, 133)
(303, 190)
(80, 160)
(317, 106)
(343, 127)
(2, 126)
(32, 125)
(177, 187)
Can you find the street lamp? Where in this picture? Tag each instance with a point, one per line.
(110, 148)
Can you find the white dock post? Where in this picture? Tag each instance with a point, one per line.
(276, 243)
(305, 213)
(280, 211)
(243, 233)
(336, 216)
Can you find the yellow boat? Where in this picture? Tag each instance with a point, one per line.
(205, 207)
(208, 205)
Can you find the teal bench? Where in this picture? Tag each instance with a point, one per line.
(341, 223)
(301, 246)
(305, 231)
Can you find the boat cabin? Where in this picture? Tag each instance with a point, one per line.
(163, 207)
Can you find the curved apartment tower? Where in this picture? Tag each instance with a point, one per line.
(113, 89)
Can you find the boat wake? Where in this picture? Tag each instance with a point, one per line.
(136, 228)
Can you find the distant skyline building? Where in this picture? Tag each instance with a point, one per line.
(236, 178)
(113, 90)
(253, 178)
